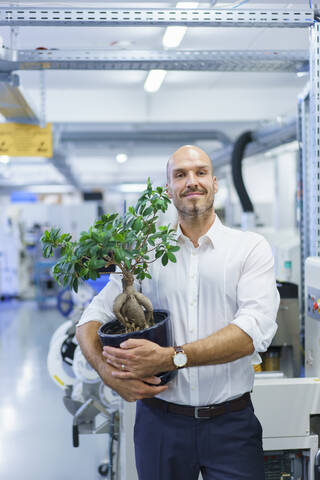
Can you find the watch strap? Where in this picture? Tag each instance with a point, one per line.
(178, 349)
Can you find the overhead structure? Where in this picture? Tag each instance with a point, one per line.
(203, 61)
(107, 17)
(140, 132)
(59, 161)
(179, 60)
(13, 105)
(264, 139)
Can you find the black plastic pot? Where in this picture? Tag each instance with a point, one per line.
(112, 333)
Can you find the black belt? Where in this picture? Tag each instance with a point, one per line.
(208, 411)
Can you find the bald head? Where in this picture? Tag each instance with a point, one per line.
(189, 153)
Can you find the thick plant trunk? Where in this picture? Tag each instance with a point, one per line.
(133, 309)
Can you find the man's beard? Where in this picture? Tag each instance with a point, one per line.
(194, 210)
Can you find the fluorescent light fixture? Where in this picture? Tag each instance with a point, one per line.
(154, 80)
(132, 187)
(187, 4)
(173, 35)
(302, 74)
(122, 157)
(4, 159)
(172, 38)
(51, 189)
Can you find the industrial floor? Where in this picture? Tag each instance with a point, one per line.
(35, 427)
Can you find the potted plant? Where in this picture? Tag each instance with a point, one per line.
(130, 243)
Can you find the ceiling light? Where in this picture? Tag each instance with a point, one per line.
(50, 188)
(132, 187)
(122, 157)
(173, 35)
(187, 4)
(154, 80)
(4, 159)
(302, 74)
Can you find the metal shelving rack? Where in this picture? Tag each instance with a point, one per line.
(192, 60)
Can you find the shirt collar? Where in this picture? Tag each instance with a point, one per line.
(211, 234)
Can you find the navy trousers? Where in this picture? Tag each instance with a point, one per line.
(175, 447)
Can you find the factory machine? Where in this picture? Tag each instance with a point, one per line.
(95, 409)
(287, 406)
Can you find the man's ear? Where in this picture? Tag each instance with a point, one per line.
(215, 185)
(168, 191)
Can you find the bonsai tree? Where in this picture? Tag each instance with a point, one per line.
(131, 243)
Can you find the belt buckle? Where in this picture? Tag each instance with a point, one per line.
(196, 412)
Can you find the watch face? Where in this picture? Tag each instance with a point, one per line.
(180, 359)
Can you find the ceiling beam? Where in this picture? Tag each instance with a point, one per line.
(181, 60)
(139, 132)
(59, 161)
(114, 17)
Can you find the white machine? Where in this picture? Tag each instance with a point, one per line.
(95, 408)
(289, 408)
(312, 316)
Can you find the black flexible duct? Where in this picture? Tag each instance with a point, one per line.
(236, 164)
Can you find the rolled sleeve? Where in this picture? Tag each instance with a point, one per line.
(257, 296)
(101, 307)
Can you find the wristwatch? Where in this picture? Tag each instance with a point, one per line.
(179, 358)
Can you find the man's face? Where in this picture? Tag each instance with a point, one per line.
(191, 185)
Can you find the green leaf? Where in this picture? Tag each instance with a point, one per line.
(164, 259)
(148, 211)
(171, 257)
(174, 248)
(75, 285)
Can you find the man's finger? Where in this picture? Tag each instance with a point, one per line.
(111, 350)
(117, 354)
(133, 343)
(152, 391)
(123, 375)
(153, 380)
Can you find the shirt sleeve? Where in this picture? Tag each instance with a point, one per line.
(101, 307)
(258, 297)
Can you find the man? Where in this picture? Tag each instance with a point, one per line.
(223, 301)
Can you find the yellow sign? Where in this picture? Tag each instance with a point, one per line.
(21, 140)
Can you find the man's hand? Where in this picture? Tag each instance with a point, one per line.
(129, 390)
(139, 359)
(132, 390)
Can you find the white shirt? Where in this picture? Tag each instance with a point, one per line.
(229, 278)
